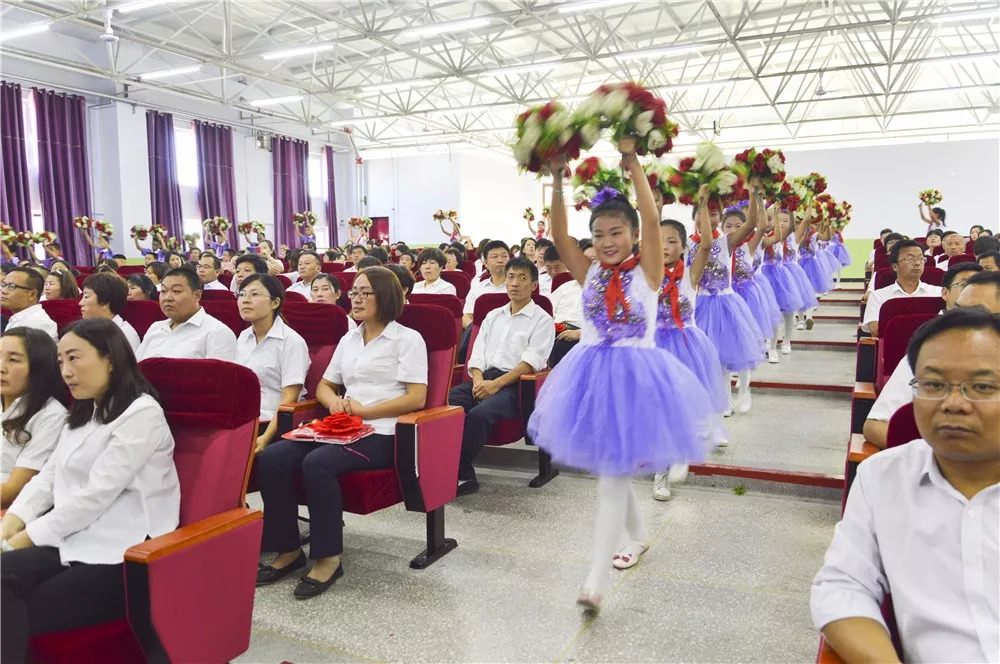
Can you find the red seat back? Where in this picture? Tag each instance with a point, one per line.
(460, 280)
(902, 427)
(434, 323)
(285, 281)
(902, 306)
(961, 258)
(560, 279)
(884, 277)
(333, 268)
(969, 247)
(469, 268)
(449, 302)
(224, 295)
(347, 279)
(126, 270)
(881, 261)
(321, 326)
(140, 314)
(293, 296)
(84, 269)
(894, 338)
(80, 278)
(227, 312)
(932, 276)
(226, 279)
(63, 312)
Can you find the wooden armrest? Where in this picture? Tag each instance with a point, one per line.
(185, 537)
(868, 341)
(429, 415)
(299, 406)
(864, 391)
(860, 448)
(535, 376)
(827, 655)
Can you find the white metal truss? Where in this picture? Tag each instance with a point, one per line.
(741, 71)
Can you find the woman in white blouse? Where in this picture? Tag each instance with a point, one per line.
(33, 412)
(377, 373)
(104, 296)
(109, 485)
(430, 263)
(274, 351)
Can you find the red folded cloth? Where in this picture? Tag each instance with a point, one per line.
(560, 328)
(338, 424)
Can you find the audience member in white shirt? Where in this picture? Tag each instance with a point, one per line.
(244, 266)
(897, 392)
(326, 289)
(273, 350)
(22, 288)
(567, 307)
(208, 272)
(408, 260)
(452, 259)
(922, 519)
(544, 278)
(310, 265)
(141, 287)
(933, 241)
(907, 261)
(357, 253)
(378, 372)
(513, 340)
(890, 241)
(189, 332)
(496, 254)
(870, 263)
(110, 484)
(954, 245)
(104, 296)
(430, 263)
(33, 413)
(266, 250)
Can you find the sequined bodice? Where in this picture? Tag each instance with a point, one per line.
(788, 255)
(685, 302)
(808, 248)
(635, 327)
(716, 276)
(742, 264)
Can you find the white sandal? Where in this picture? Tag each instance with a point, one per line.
(628, 555)
(589, 601)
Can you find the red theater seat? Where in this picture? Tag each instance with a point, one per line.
(454, 305)
(961, 258)
(457, 278)
(189, 593)
(904, 306)
(293, 296)
(285, 281)
(226, 279)
(932, 276)
(892, 343)
(561, 279)
(142, 313)
(428, 442)
(63, 312)
(126, 270)
(902, 427)
(217, 295)
(333, 268)
(469, 268)
(227, 312)
(882, 261)
(321, 326)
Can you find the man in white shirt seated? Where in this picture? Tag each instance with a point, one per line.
(208, 272)
(990, 261)
(357, 253)
(22, 288)
(954, 245)
(513, 340)
(567, 307)
(870, 263)
(246, 265)
(104, 296)
(890, 241)
(896, 392)
(922, 519)
(907, 260)
(496, 253)
(309, 265)
(189, 332)
(544, 278)
(430, 263)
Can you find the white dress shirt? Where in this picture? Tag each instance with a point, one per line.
(567, 303)
(279, 360)
(35, 318)
(302, 288)
(891, 292)
(379, 370)
(130, 334)
(351, 269)
(214, 285)
(505, 340)
(480, 288)
(44, 427)
(907, 529)
(109, 486)
(200, 337)
(439, 287)
(544, 283)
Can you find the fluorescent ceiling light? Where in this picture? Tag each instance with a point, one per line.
(442, 28)
(25, 30)
(350, 121)
(166, 73)
(658, 52)
(693, 84)
(293, 52)
(275, 101)
(571, 7)
(519, 69)
(966, 16)
(139, 5)
(397, 85)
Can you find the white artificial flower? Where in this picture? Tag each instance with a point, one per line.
(522, 153)
(614, 103)
(565, 136)
(708, 158)
(532, 121)
(590, 133)
(644, 123)
(531, 135)
(656, 139)
(559, 120)
(726, 180)
(627, 112)
(591, 106)
(774, 163)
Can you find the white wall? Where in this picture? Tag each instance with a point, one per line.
(409, 190)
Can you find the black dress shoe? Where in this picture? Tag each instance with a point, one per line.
(309, 587)
(266, 575)
(467, 487)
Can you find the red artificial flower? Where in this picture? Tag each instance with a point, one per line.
(653, 180)
(785, 187)
(675, 180)
(759, 165)
(778, 177)
(686, 164)
(572, 147)
(545, 111)
(743, 156)
(659, 116)
(685, 199)
(588, 168)
(820, 185)
(523, 117)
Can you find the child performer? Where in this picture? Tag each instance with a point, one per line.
(799, 277)
(815, 268)
(305, 234)
(616, 405)
(824, 253)
(786, 290)
(839, 251)
(251, 245)
(103, 246)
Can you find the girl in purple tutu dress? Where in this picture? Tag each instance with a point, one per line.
(815, 267)
(790, 247)
(840, 253)
(724, 316)
(616, 405)
(786, 291)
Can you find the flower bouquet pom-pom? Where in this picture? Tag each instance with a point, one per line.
(813, 184)
(824, 208)
(767, 165)
(629, 109)
(248, 227)
(594, 183)
(23, 239)
(192, 238)
(305, 218)
(656, 175)
(158, 229)
(708, 166)
(529, 215)
(45, 237)
(841, 216)
(7, 233)
(359, 222)
(445, 215)
(930, 197)
(550, 131)
(103, 228)
(83, 222)
(139, 232)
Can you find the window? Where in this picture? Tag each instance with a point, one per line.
(186, 153)
(317, 195)
(31, 151)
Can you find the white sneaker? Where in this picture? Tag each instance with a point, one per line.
(786, 347)
(676, 474)
(661, 486)
(743, 403)
(800, 325)
(773, 357)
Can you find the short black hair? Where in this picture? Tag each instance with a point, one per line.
(490, 246)
(522, 263)
(735, 213)
(585, 243)
(216, 263)
(615, 207)
(884, 231)
(412, 255)
(947, 233)
(936, 231)
(450, 251)
(899, 246)
(292, 257)
(995, 255)
(36, 282)
(357, 246)
(891, 237)
(380, 254)
(110, 289)
(459, 247)
(110, 262)
(332, 280)
(144, 283)
(949, 277)
(988, 232)
(307, 252)
(159, 267)
(962, 318)
(368, 261)
(679, 227)
(431, 254)
(118, 257)
(985, 277)
(273, 287)
(405, 277)
(188, 274)
(985, 243)
(975, 226)
(551, 254)
(258, 262)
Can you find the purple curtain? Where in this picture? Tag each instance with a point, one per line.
(15, 190)
(331, 197)
(290, 161)
(64, 170)
(164, 191)
(216, 177)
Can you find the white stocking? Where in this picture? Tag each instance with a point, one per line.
(616, 507)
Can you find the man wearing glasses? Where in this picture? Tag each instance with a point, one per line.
(907, 260)
(22, 287)
(922, 519)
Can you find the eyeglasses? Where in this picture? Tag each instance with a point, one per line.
(251, 294)
(972, 390)
(363, 294)
(913, 260)
(10, 286)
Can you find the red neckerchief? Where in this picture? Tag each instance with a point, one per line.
(697, 238)
(732, 260)
(840, 236)
(615, 292)
(769, 250)
(672, 289)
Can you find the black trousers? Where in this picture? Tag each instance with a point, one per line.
(321, 465)
(480, 416)
(463, 345)
(39, 596)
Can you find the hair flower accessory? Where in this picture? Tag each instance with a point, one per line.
(591, 177)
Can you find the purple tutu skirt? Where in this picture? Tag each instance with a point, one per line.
(622, 410)
(785, 290)
(801, 281)
(731, 327)
(766, 314)
(833, 266)
(772, 301)
(819, 276)
(841, 253)
(695, 351)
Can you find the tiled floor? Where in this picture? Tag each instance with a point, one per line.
(726, 579)
(809, 366)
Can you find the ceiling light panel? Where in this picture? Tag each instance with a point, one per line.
(167, 73)
(296, 52)
(444, 28)
(25, 30)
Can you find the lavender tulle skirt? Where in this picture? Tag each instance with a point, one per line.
(785, 290)
(841, 253)
(731, 328)
(697, 352)
(622, 410)
(764, 311)
(801, 281)
(833, 265)
(772, 300)
(818, 274)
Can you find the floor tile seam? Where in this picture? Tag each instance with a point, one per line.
(311, 644)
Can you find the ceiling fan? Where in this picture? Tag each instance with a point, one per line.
(820, 90)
